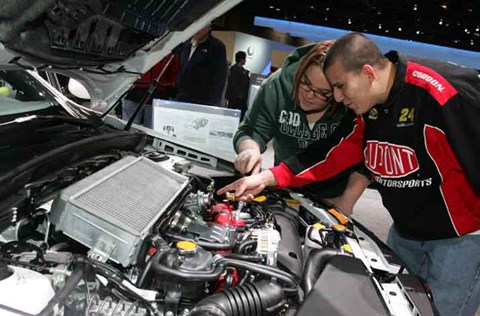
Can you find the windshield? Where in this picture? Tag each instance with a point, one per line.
(20, 93)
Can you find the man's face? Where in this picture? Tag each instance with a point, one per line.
(351, 88)
(202, 33)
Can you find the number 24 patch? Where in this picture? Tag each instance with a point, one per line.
(406, 117)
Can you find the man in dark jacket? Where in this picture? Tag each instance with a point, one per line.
(417, 133)
(238, 82)
(203, 69)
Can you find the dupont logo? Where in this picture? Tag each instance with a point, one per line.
(390, 160)
(437, 85)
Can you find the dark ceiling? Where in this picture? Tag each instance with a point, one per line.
(446, 23)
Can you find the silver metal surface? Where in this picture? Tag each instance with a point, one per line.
(117, 206)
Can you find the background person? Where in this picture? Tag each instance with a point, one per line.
(203, 69)
(417, 132)
(238, 84)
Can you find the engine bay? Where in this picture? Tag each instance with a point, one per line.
(145, 235)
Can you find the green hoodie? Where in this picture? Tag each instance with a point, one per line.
(274, 114)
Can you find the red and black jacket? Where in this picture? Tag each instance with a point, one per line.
(422, 147)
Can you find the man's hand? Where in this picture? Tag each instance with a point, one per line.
(249, 160)
(357, 183)
(342, 204)
(246, 188)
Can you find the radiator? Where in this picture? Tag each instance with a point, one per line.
(114, 209)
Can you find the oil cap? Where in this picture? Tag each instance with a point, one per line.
(338, 228)
(260, 199)
(186, 247)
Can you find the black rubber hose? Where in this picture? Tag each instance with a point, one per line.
(146, 271)
(257, 299)
(62, 295)
(244, 245)
(259, 268)
(162, 269)
(314, 266)
(239, 256)
(208, 245)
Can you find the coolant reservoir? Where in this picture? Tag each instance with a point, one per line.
(24, 290)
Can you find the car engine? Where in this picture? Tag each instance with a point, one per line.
(146, 236)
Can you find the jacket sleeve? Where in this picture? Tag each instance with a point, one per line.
(340, 151)
(462, 116)
(233, 86)
(259, 123)
(219, 73)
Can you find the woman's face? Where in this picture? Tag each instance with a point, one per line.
(314, 92)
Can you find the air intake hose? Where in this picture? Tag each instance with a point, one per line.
(314, 266)
(261, 298)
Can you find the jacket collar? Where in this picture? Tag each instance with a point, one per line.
(400, 62)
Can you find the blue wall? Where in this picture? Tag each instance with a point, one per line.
(320, 33)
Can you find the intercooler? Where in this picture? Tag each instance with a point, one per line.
(114, 209)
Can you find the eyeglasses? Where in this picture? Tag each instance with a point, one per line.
(306, 86)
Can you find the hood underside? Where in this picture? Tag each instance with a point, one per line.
(86, 33)
(100, 37)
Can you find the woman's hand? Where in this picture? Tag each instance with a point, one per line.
(246, 188)
(248, 161)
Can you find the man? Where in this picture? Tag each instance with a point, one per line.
(417, 133)
(203, 69)
(238, 82)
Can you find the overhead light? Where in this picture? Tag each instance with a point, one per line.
(440, 22)
(327, 9)
(271, 7)
(380, 26)
(349, 21)
(444, 6)
(418, 32)
(415, 7)
(400, 29)
(477, 29)
(278, 9)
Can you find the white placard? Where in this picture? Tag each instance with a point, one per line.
(208, 127)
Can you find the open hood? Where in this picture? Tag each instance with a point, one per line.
(104, 44)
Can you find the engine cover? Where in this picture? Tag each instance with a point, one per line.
(113, 210)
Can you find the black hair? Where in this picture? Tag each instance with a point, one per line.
(240, 55)
(354, 50)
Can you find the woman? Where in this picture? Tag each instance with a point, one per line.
(294, 108)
